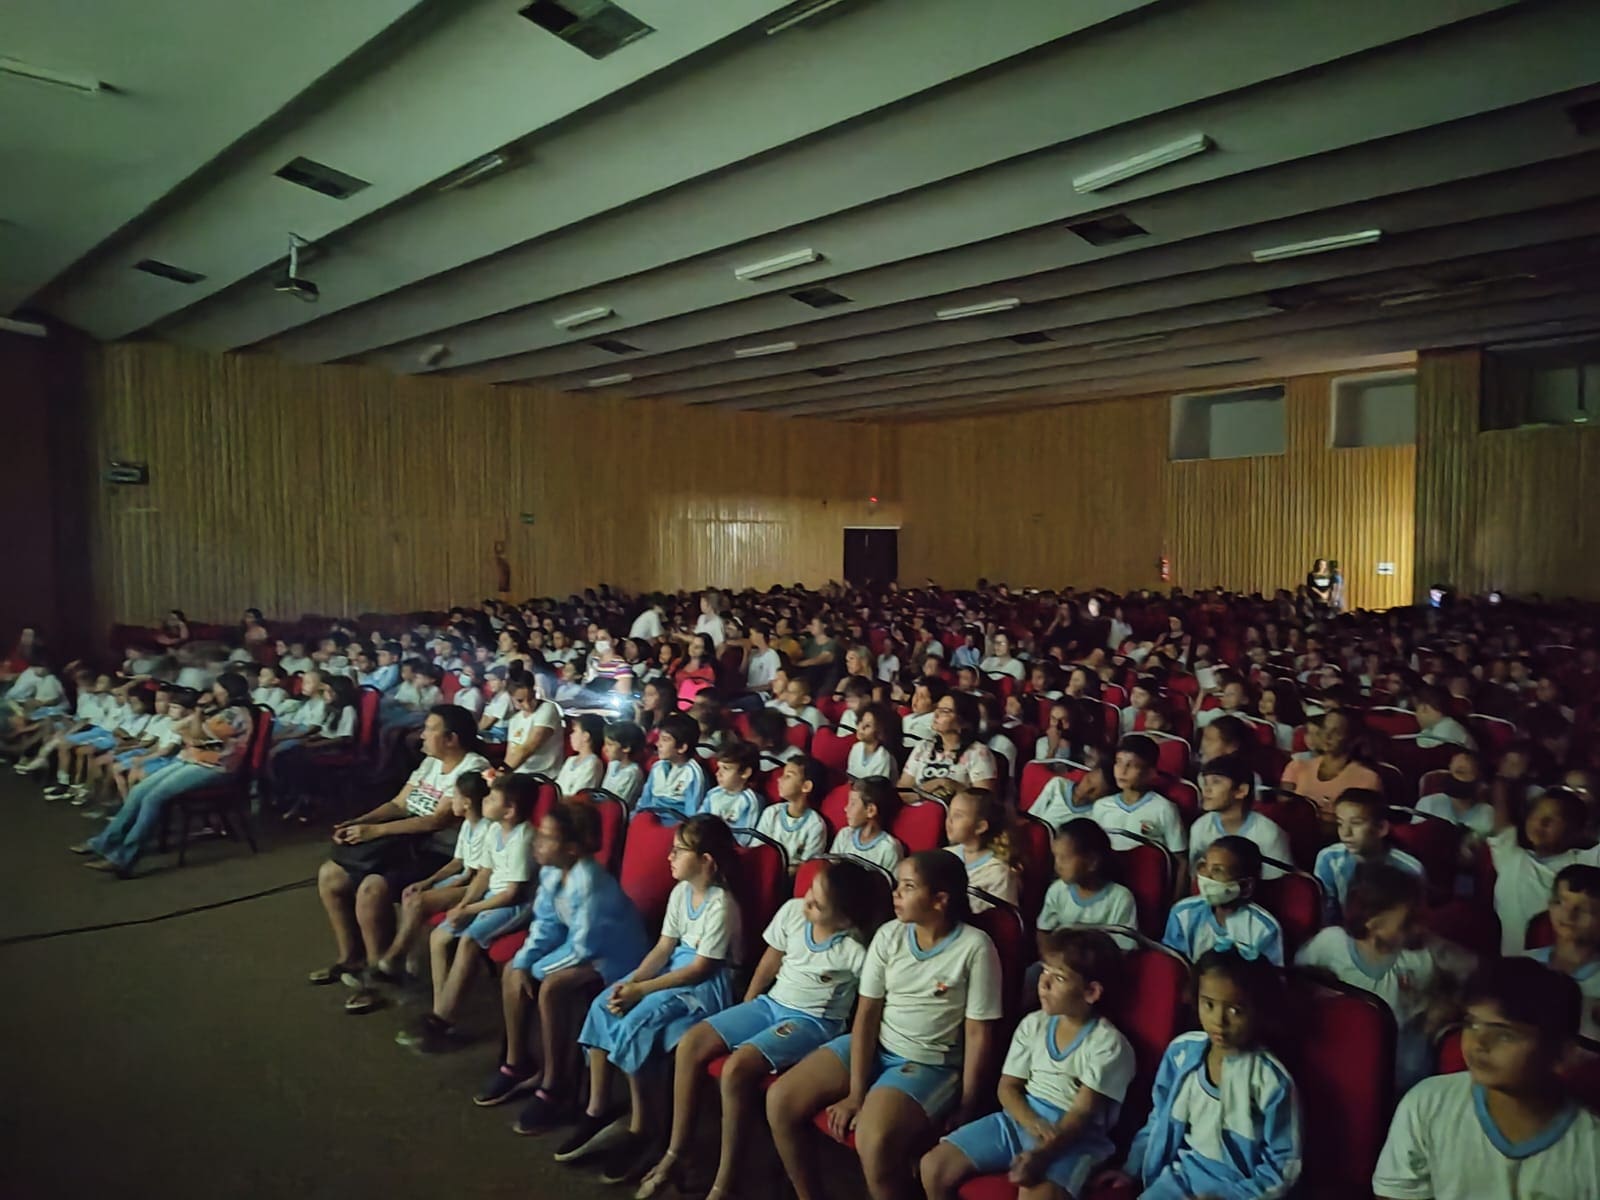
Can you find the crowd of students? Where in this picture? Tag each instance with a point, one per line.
(1195, 724)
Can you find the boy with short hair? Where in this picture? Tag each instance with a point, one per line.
(1062, 1085)
(624, 778)
(1134, 808)
(1506, 1127)
(1436, 726)
(675, 784)
(1227, 802)
(868, 813)
(1363, 822)
(794, 824)
(857, 692)
(1575, 921)
(796, 702)
(925, 697)
(733, 799)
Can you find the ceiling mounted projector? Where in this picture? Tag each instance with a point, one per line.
(292, 284)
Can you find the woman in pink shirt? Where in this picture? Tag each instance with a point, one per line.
(1324, 778)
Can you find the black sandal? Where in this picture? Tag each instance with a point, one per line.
(331, 974)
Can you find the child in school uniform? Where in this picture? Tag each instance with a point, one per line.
(1506, 1128)
(270, 691)
(139, 711)
(1065, 1076)
(624, 777)
(1381, 948)
(583, 768)
(1227, 802)
(857, 692)
(1461, 798)
(494, 722)
(1083, 892)
(1363, 818)
(1135, 808)
(300, 719)
(1064, 799)
(686, 977)
(793, 823)
(38, 746)
(769, 730)
(533, 734)
(1141, 698)
(292, 657)
(920, 1044)
(976, 828)
(496, 903)
(1223, 914)
(470, 694)
(733, 799)
(873, 755)
(796, 703)
(162, 751)
(675, 784)
(1575, 921)
(868, 814)
(1225, 1117)
(816, 949)
(1528, 859)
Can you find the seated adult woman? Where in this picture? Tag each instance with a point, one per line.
(955, 757)
(609, 676)
(1324, 778)
(401, 841)
(214, 748)
(174, 629)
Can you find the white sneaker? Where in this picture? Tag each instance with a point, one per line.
(79, 799)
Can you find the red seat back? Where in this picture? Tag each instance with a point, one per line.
(1342, 1061)
(1009, 933)
(367, 705)
(806, 875)
(1150, 1006)
(1432, 841)
(645, 875)
(1032, 855)
(1146, 870)
(260, 741)
(1392, 722)
(1172, 755)
(920, 826)
(1471, 925)
(1035, 775)
(1494, 734)
(1114, 694)
(1298, 819)
(548, 795)
(613, 815)
(739, 722)
(1296, 900)
(832, 749)
(831, 708)
(770, 787)
(833, 806)
(1432, 783)
(761, 887)
(1540, 933)
(798, 734)
(449, 685)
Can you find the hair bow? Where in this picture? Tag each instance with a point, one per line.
(1248, 953)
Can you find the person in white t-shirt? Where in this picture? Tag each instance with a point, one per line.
(496, 903)
(1000, 660)
(710, 623)
(533, 736)
(872, 755)
(761, 661)
(1437, 727)
(1527, 861)
(583, 768)
(1506, 1128)
(647, 625)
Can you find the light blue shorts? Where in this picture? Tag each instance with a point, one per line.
(782, 1036)
(100, 739)
(990, 1143)
(936, 1089)
(495, 733)
(487, 926)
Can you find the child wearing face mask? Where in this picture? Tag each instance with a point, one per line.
(1460, 798)
(1222, 915)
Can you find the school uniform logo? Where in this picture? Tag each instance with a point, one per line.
(941, 988)
(783, 1029)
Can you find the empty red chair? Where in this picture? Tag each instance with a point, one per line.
(1036, 775)
(798, 735)
(1298, 819)
(1493, 734)
(1032, 855)
(920, 826)
(1184, 794)
(1146, 870)
(1342, 1061)
(548, 795)
(1172, 754)
(833, 806)
(832, 750)
(1432, 841)
(1296, 900)
(1114, 694)
(761, 886)
(645, 875)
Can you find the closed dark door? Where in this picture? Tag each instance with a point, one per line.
(871, 556)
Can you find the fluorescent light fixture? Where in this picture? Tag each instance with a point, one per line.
(978, 310)
(80, 83)
(30, 328)
(587, 317)
(1144, 339)
(1161, 156)
(1341, 241)
(476, 170)
(608, 380)
(771, 266)
(769, 348)
(804, 13)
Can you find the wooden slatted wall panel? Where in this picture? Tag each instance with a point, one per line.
(342, 490)
(1257, 524)
(1508, 509)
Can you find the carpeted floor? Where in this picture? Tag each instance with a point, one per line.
(189, 1058)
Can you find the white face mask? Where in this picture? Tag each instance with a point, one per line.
(602, 647)
(1216, 893)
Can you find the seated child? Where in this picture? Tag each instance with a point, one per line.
(1227, 802)
(1222, 914)
(1064, 799)
(1083, 892)
(872, 756)
(1135, 808)
(868, 814)
(1575, 921)
(495, 721)
(1506, 1127)
(583, 768)
(1363, 823)
(1061, 1088)
(270, 691)
(796, 703)
(1437, 727)
(733, 799)
(1141, 698)
(857, 692)
(676, 782)
(624, 777)
(976, 827)
(686, 977)
(1527, 860)
(1461, 800)
(585, 935)
(1055, 743)
(816, 948)
(930, 991)
(1224, 1119)
(769, 732)
(793, 823)
(1382, 949)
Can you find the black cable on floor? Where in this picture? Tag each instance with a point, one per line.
(18, 939)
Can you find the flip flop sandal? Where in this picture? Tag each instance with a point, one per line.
(327, 975)
(363, 1002)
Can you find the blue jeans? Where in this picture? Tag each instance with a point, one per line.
(122, 841)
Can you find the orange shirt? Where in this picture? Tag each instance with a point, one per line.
(1301, 774)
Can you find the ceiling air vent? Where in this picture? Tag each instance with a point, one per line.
(320, 177)
(827, 372)
(161, 270)
(819, 297)
(1031, 339)
(597, 27)
(614, 346)
(1107, 230)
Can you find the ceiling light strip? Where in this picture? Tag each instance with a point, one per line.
(587, 316)
(1342, 241)
(771, 266)
(978, 310)
(610, 380)
(78, 83)
(770, 348)
(1150, 160)
(802, 14)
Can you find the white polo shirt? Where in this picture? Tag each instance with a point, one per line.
(817, 977)
(928, 994)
